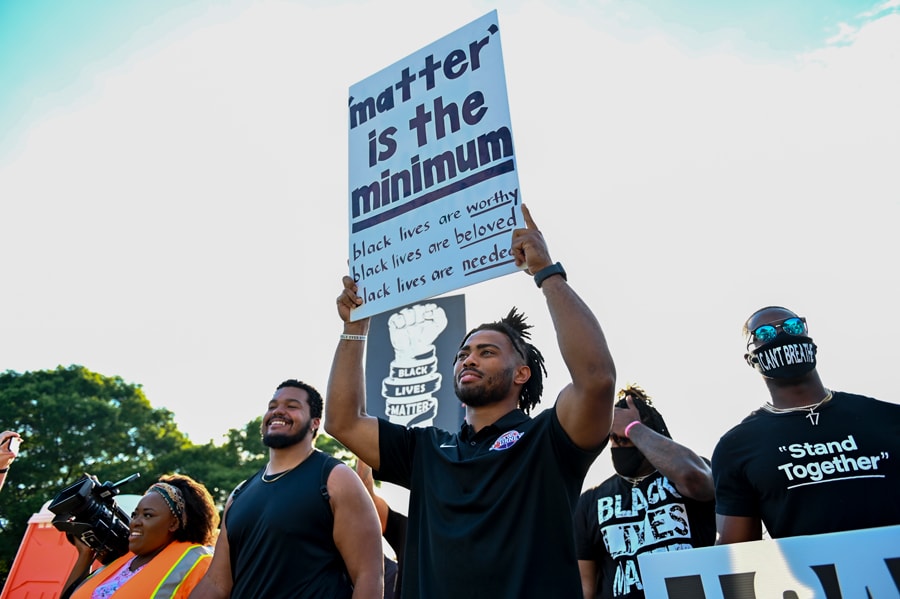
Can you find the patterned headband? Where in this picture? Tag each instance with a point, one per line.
(174, 500)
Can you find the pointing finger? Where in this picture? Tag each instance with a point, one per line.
(526, 214)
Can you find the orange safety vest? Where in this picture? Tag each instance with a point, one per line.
(171, 574)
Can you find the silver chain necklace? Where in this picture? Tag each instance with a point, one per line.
(636, 480)
(275, 477)
(813, 415)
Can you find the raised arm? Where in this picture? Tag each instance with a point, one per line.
(585, 405)
(345, 397)
(357, 533)
(81, 569)
(690, 474)
(7, 453)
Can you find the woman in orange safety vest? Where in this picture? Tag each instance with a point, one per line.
(169, 546)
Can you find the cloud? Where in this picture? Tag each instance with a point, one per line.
(846, 34)
(888, 5)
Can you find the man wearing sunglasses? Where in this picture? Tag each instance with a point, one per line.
(811, 460)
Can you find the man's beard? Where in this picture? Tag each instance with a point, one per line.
(489, 390)
(280, 441)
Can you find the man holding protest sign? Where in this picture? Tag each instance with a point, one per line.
(490, 509)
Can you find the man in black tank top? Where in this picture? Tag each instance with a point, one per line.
(303, 526)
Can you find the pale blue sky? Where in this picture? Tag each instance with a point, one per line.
(173, 184)
(49, 46)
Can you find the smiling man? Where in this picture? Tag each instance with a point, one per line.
(303, 526)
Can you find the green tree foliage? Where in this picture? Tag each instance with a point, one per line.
(221, 467)
(74, 421)
(332, 446)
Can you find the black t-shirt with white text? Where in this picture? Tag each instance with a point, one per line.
(802, 478)
(616, 521)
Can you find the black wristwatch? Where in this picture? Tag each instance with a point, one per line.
(548, 271)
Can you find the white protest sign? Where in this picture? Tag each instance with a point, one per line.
(434, 192)
(859, 564)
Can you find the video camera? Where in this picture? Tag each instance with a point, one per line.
(87, 510)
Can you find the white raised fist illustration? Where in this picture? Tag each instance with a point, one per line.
(413, 330)
(409, 388)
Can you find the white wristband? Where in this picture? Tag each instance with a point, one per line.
(347, 337)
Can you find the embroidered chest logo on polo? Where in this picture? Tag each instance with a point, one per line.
(506, 440)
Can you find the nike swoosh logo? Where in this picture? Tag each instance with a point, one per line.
(446, 445)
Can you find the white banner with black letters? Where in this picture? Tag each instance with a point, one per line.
(860, 564)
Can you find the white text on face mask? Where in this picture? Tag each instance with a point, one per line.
(785, 355)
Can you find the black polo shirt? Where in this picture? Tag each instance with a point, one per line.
(490, 514)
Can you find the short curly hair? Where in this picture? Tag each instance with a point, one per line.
(514, 327)
(314, 398)
(202, 517)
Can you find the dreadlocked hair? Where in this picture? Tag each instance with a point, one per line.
(649, 415)
(514, 327)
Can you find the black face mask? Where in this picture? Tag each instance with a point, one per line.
(627, 460)
(785, 357)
